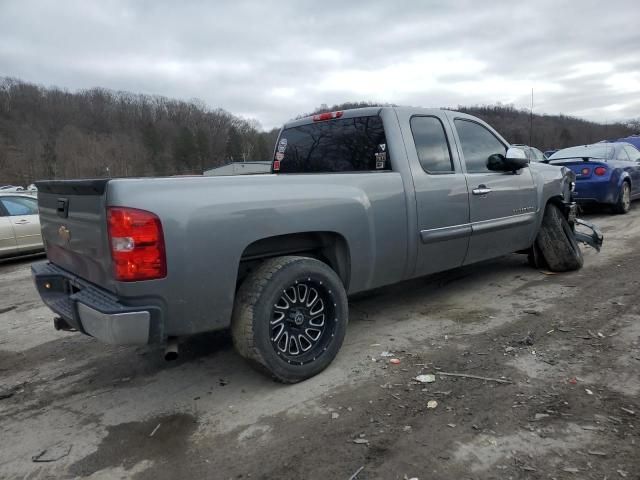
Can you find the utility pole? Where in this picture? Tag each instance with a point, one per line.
(531, 121)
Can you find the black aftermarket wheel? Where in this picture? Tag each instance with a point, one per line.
(290, 317)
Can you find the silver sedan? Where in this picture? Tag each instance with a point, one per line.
(19, 224)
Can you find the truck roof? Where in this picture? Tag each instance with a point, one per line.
(362, 112)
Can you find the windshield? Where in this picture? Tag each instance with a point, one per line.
(599, 151)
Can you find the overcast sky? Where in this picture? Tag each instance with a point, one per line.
(274, 60)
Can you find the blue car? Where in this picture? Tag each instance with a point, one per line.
(632, 139)
(606, 173)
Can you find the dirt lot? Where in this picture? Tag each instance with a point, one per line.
(569, 346)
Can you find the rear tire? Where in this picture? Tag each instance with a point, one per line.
(290, 317)
(556, 243)
(623, 205)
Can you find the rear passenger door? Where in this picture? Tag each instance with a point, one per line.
(442, 198)
(502, 205)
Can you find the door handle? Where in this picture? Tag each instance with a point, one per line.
(481, 190)
(21, 222)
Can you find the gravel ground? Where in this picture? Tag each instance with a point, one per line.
(561, 352)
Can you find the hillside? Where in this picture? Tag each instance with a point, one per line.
(54, 133)
(547, 131)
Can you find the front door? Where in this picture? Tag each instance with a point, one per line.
(503, 206)
(7, 237)
(23, 213)
(442, 199)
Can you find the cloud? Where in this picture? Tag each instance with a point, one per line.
(274, 60)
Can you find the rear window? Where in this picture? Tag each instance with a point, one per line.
(604, 152)
(345, 145)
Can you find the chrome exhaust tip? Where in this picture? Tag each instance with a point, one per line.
(171, 350)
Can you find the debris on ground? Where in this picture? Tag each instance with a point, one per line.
(361, 441)
(426, 378)
(527, 340)
(335, 415)
(630, 412)
(476, 377)
(357, 472)
(432, 404)
(597, 453)
(570, 470)
(395, 361)
(52, 454)
(4, 394)
(386, 354)
(155, 430)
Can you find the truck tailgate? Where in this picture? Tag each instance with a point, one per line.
(74, 230)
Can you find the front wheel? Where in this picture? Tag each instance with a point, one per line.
(623, 205)
(556, 244)
(290, 317)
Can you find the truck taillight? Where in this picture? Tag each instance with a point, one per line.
(320, 117)
(137, 244)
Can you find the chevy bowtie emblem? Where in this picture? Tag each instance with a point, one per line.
(64, 234)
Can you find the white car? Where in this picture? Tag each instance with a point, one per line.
(19, 224)
(11, 188)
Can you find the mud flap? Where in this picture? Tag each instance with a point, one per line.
(593, 239)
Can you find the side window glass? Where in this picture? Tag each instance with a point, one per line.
(431, 145)
(538, 155)
(347, 145)
(478, 144)
(622, 155)
(634, 154)
(16, 206)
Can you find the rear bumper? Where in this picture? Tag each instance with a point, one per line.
(96, 312)
(596, 191)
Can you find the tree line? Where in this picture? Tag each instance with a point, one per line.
(48, 133)
(544, 132)
(54, 133)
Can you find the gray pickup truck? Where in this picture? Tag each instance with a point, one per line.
(356, 200)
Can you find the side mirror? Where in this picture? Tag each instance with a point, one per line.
(512, 162)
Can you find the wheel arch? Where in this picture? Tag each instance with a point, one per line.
(329, 247)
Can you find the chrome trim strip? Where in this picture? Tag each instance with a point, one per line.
(454, 232)
(495, 224)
